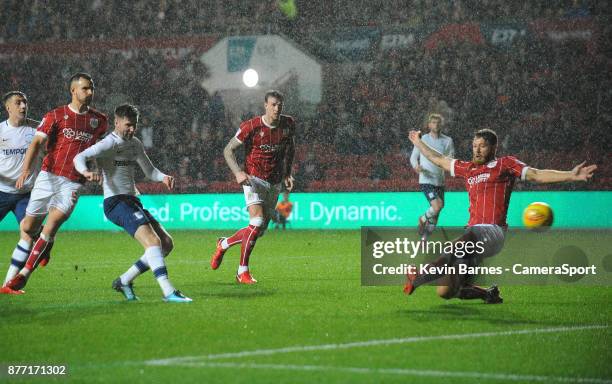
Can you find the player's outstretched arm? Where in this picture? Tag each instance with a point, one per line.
(33, 149)
(581, 172)
(230, 158)
(431, 154)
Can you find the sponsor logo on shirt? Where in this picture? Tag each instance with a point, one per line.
(14, 151)
(71, 134)
(123, 163)
(478, 179)
(267, 148)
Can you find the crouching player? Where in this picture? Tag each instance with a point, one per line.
(117, 156)
(489, 181)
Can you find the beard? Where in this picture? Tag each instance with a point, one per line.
(482, 159)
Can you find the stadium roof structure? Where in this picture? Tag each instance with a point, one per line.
(276, 59)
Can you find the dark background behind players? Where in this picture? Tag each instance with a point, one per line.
(549, 102)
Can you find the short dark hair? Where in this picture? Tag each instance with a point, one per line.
(274, 93)
(488, 135)
(10, 94)
(78, 76)
(127, 111)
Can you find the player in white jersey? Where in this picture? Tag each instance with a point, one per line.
(118, 154)
(16, 134)
(431, 177)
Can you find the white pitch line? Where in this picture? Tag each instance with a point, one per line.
(403, 372)
(369, 343)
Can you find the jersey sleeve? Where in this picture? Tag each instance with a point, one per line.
(245, 131)
(100, 149)
(47, 126)
(414, 157)
(146, 165)
(460, 168)
(513, 166)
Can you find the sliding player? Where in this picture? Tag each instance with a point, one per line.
(489, 182)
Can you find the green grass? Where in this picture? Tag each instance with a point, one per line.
(308, 294)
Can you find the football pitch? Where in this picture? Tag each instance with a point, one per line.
(307, 320)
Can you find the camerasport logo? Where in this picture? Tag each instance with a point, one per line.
(71, 134)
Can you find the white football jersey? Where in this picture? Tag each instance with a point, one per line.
(117, 157)
(14, 142)
(432, 174)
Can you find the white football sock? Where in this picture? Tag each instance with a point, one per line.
(155, 258)
(18, 259)
(139, 267)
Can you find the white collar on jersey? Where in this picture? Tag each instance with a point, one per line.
(77, 112)
(263, 120)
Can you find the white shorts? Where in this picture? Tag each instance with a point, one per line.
(491, 235)
(54, 191)
(263, 193)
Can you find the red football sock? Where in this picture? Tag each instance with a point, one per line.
(35, 254)
(46, 255)
(237, 237)
(248, 243)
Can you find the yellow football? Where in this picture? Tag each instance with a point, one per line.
(538, 216)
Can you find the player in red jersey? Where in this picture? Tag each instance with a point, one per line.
(489, 181)
(269, 147)
(66, 131)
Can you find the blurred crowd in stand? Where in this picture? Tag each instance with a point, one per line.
(549, 102)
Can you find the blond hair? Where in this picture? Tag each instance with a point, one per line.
(435, 116)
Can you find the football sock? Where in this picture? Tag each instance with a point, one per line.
(155, 258)
(248, 243)
(37, 250)
(46, 255)
(138, 268)
(234, 239)
(431, 219)
(18, 259)
(242, 269)
(469, 292)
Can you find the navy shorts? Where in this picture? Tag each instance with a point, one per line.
(14, 202)
(432, 192)
(127, 212)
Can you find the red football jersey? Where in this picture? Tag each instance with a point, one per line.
(265, 146)
(489, 187)
(69, 133)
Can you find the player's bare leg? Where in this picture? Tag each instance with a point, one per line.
(415, 280)
(167, 243)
